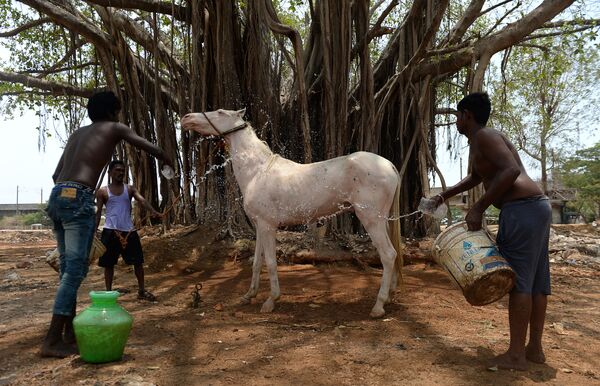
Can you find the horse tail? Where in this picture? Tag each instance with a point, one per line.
(395, 234)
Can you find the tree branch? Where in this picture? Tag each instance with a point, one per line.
(389, 88)
(562, 23)
(24, 27)
(508, 36)
(55, 88)
(470, 15)
(446, 111)
(377, 30)
(30, 92)
(375, 6)
(61, 69)
(75, 23)
(448, 50)
(501, 19)
(541, 48)
(558, 33)
(168, 8)
(496, 6)
(144, 39)
(74, 47)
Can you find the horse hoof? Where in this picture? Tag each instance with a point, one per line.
(377, 313)
(244, 300)
(267, 306)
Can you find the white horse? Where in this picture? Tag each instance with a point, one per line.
(279, 192)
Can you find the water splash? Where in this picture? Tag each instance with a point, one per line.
(210, 170)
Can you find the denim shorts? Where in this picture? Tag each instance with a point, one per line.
(72, 210)
(523, 236)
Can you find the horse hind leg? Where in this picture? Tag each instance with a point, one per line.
(259, 253)
(394, 282)
(378, 231)
(271, 261)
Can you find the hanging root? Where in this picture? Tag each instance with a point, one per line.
(394, 231)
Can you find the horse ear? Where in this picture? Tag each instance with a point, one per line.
(240, 113)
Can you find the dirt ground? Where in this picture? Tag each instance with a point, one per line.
(320, 331)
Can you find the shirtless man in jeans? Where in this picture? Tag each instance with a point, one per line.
(524, 228)
(71, 208)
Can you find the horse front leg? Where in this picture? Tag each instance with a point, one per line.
(259, 253)
(271, 261)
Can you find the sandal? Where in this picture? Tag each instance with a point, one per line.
(146, 295)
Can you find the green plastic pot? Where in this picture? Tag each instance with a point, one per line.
(102, 329)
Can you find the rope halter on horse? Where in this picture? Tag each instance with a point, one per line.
(222, 134)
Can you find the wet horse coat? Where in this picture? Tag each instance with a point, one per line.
(277, 192)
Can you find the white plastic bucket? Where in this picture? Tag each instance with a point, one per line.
(474, 263)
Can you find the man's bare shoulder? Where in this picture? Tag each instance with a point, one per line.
(488, 132)
(488, 137)
(102, 192)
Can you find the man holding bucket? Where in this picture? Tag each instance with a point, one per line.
(523, 231)
(71, 208)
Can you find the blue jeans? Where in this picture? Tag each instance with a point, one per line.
(71, 208)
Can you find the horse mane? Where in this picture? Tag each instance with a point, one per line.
(262, 146)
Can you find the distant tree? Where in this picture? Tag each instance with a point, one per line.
(544, 85)
(582, 171)
(39, 217)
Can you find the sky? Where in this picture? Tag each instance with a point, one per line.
(24, 167)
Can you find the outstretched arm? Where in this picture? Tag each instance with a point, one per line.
(139, 198)
(127, 134)
(466, 183)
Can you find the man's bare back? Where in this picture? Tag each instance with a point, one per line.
(90, 148)
(485, 161)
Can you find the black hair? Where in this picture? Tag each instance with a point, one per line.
(114, 163)
(103, 105)
(479, 104)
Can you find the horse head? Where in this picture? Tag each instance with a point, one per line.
(219, 122)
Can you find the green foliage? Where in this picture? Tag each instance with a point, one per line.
(39, 217)
(545, 85)
(492, 215)
(24, 220)
(457, 214)
(582, 171)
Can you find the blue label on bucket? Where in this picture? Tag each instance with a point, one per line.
(493, 265)
(467, 245)
(492, 251)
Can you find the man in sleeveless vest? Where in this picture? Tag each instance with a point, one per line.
(119, 235)
(71, 208)
(523, 232)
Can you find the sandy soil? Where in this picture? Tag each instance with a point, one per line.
(319, 333)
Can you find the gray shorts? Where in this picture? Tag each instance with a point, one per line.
(522, 239)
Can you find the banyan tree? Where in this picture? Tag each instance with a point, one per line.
(319, 79)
